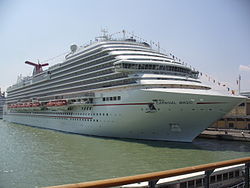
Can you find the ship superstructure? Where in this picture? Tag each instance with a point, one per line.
(118, 88)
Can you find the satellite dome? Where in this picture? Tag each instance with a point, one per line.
(73, 48)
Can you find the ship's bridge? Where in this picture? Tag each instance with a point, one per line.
(155, 67)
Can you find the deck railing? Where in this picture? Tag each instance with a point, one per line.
(152, 178)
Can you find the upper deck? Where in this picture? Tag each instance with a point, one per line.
(107, 62)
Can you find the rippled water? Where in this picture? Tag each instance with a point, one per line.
(32, 157)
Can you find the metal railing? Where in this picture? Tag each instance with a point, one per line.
(152, 178)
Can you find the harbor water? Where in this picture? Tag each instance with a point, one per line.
(32, 157)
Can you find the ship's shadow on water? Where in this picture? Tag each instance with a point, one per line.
(197, 144)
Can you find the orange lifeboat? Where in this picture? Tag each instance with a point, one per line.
(36, 104)
(19, 105)
(61, 103)
(51, 103)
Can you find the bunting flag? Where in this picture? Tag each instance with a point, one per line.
(224, 85)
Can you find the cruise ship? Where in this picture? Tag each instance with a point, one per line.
(118, 87)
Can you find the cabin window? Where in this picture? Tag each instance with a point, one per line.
(225, 176)
(212, 179)
(231, 175)
(231, 125)
(237, 173)
(183, 185)
(191, 184)
(219, 177)
(198, 182)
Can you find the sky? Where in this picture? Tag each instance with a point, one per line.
(213, 36)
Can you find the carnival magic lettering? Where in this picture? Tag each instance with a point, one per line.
(162, 101)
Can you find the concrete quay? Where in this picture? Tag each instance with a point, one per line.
(226, 134)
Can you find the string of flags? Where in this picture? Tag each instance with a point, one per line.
(224, 85)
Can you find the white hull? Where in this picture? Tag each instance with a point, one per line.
(180, 114)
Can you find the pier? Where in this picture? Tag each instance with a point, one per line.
(226, 134)
(153, 178)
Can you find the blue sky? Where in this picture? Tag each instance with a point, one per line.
(213, 35)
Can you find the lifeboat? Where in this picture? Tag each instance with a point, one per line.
(57, 105)
(51, 103)
(61, 103)
(19, 105)
(25, 105)
(36, 104)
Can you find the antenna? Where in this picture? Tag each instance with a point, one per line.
(104, 31)
(239, 83)
(124, 33)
